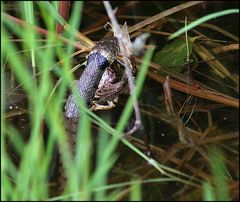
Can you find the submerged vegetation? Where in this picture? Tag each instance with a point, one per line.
(187, 89)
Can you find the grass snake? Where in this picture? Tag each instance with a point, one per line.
(103, 54)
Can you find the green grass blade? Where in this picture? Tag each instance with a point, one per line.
(208, 194)
(219, 172)
(29, 15)
(202, 20)
(136, 191)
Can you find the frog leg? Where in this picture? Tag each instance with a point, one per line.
(110, 104)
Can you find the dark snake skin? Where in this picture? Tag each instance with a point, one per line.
(102, 55)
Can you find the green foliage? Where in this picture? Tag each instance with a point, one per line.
(208, 194)
(174, 54)
(219, 190)
(136, 192)
(220, 174)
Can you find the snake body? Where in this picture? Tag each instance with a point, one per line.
(103, 54)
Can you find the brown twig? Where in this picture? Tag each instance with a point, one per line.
(64, 12)
(206, 94)
(226, 48)
(120, 36)
(184, 137)
(121, 39)
(42, 31)
(163, 14)
(104, 19)
(170, 110)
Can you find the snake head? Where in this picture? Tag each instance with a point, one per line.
(125, 37)
(108, 48)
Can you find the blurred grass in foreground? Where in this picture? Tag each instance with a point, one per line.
(219, 190)
(29, 181)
